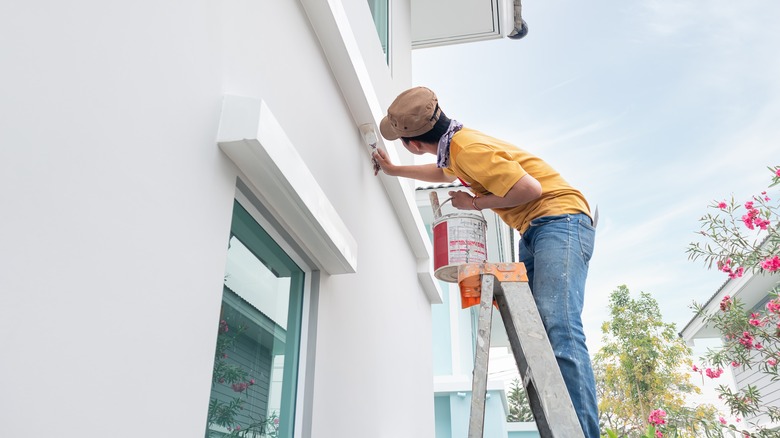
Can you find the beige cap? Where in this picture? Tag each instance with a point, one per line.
(412, 113)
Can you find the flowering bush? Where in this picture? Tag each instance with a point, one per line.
(738, 240)
(743, 237)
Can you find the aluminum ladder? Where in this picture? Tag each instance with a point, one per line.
(507, 284)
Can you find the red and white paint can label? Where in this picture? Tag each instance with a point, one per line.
(457, 239)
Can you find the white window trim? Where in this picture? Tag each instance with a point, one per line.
(253, 139)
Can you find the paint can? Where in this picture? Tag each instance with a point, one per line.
(458, 238)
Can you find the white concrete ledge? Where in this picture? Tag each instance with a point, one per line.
(253, 139)
(340, 45)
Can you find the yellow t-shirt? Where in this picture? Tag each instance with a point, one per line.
(492, 166)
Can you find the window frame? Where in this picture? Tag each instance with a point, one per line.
(389, 28)
(302, 397)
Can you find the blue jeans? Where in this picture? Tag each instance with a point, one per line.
(556, 251)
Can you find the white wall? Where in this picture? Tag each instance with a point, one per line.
(116, 206)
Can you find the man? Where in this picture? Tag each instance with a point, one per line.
(529, 195)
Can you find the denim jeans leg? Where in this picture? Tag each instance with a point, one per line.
(556, 251)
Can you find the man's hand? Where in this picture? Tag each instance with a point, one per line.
(381, 159)
(421, 172)
(526, 189)
(461, 200)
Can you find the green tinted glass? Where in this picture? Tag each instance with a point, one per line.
(256, 360)
(379, 10)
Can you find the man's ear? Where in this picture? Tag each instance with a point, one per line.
(418, 146)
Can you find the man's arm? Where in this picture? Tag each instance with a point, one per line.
(526, 189)
(422, 172)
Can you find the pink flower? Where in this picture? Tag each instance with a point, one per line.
(771, 264)
(734, 363)
(751, 216)
(738, 273)
(774, 305)
(722, 420)
(747, 340)
(252, 382)
(239, 387)
(657, 417)
(658, 434)
(771, 362)
(777, 172)
(722, 205)
(755, 320)
(725, 303)
(713, 374)
(695, 369)
(726, 267)
(238, 427)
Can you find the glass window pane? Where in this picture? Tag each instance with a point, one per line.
(256, 358)
(379, 10)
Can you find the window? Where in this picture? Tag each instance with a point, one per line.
(256, 359)
(380, 12)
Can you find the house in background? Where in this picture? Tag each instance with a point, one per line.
(752, 289)
(193, 239)
(455, 331)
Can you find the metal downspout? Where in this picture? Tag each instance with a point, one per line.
(521, 27)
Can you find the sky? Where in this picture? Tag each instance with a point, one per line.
(653, 109)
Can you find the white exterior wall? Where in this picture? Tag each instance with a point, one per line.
(117, 206)
(769, 390)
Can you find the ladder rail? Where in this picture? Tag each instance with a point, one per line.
(547, 393)
(481, 356)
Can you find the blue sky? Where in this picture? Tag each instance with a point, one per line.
(652, 109)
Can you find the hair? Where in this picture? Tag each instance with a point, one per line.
(435, 133)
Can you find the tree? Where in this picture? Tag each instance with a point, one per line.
(641, 371)
(739, 241)
(519, 408)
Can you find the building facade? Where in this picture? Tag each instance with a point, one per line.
(193, 241)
